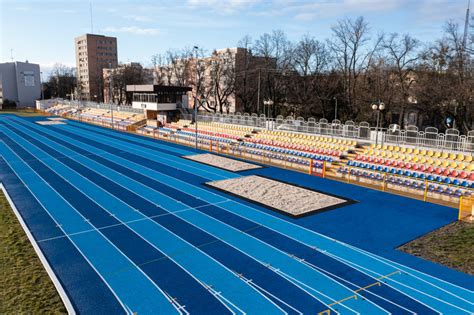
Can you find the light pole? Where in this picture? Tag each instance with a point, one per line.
(258, 92)
(268, 103)
(41, 84)
(335, 108)
(195, 98)
(111, 95)
(378, 107)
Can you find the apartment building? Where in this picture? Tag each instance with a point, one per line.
(218, 78)
(93, 54)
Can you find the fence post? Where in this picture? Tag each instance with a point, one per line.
(460, 208)
(384, 183)
(324, 169)
(310, 167)
(210, 145)
(426, 190)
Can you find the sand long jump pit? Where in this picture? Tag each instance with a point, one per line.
(222, 162)
(279, 196)
(50, 122)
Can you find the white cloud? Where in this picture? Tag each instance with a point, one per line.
(138, 18)
(133, 30)
(307, 11)
(223, 6)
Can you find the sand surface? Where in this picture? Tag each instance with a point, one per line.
(281, 196)
(222, 162)
(50, 122)
(56, 118)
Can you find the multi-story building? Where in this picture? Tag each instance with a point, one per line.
(20, 82)
(93, 54)
(219, 79)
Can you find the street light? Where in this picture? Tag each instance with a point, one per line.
(111, 94)
(195, 98)
(41, 84)
(378, 107)
(335, 108)
(268, 103)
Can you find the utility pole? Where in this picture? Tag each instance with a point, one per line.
(466, 28)
(258, 91)
(111, 94)
(92, 25)
(196, 98)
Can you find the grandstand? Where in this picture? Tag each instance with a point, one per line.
(430, 174)
(120, 119)
(436, 171)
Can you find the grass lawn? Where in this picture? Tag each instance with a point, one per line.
(451, 245)
(25, 287)
(21, 112)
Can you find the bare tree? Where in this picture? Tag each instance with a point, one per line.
(402, 55)
(62, 81)
(349, 45)
(222, 77)
(463, 103)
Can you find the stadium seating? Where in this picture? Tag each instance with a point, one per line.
(276, 146)
(121, 119)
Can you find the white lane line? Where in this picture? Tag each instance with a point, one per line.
(99, 232)
(62, 293)
(121, 174)
(286, 222)
(146, 218)
(72, 242)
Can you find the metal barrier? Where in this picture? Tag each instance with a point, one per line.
(84, 104)
(451, 140)
(388, 183)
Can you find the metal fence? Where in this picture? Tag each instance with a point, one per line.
(119, 108)
(451, 140)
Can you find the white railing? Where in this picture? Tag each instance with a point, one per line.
(451, 140)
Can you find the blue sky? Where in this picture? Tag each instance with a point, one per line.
(43, 31)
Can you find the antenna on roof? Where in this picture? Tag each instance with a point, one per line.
(92, 24)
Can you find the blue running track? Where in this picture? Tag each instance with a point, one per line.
(127, 225)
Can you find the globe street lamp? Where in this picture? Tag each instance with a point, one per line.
(196, 97)
(378, 107)
(268, 103)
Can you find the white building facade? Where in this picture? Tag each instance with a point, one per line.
(20, 82)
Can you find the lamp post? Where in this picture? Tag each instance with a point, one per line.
(41, 84)
(195, 98)
(268, 103)
(378, 107)
(335, 108)
(111, 94)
